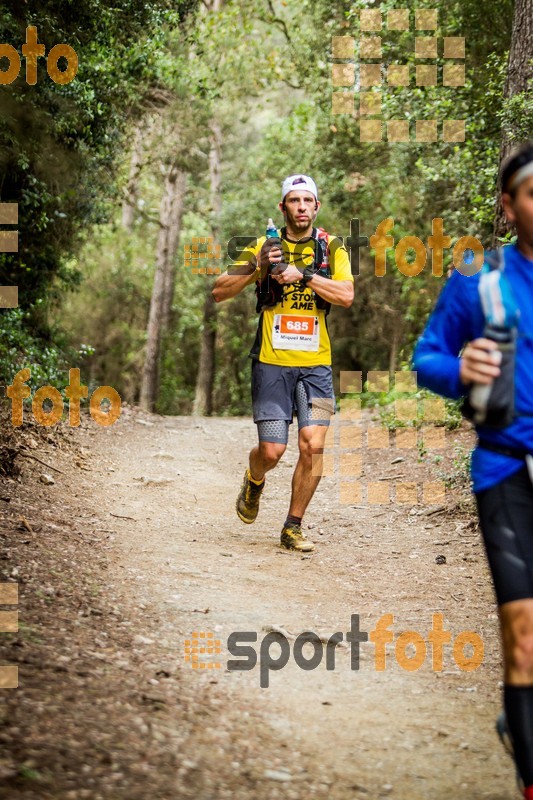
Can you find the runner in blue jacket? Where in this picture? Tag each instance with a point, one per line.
(452, 354)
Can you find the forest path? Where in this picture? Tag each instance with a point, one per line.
(158, 493)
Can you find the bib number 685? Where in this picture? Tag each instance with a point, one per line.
(298, 326)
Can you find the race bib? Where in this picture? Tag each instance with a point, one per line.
(291, 332)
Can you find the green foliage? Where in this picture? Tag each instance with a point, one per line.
(117, 281)
(384, 404)
(30, 774)
(262, 70)
(458, 476)
(19, 348)
(58, 144)
(516, 115)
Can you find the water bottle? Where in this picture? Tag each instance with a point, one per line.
(272, 233)
(492, 405)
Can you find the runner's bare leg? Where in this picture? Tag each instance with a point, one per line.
(311, 443)
(264, 457)
(516, 620)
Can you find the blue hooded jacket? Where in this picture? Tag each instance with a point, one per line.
(457, 319)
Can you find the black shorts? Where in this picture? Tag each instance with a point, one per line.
(278, 392)
(506, 520)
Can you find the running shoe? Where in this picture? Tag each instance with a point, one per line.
(504, 735)
(292, 538)
(248, 500)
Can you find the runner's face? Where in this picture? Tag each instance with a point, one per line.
(520, 210)
(300, 210)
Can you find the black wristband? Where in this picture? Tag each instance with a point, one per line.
(308, 274)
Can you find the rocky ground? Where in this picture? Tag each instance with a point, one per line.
(124, 542)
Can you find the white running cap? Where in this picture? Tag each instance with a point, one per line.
(295, 182)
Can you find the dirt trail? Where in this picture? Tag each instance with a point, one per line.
(158, 496)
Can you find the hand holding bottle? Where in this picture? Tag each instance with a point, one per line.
(479, 362)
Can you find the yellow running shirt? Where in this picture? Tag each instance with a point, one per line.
(293, 333)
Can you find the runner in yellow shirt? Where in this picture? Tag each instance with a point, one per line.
(291, 368)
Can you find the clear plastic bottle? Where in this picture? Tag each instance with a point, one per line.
(272, 233)
(493, 404)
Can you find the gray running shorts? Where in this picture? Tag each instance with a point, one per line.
(277, 392)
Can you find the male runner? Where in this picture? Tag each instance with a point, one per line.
(291, 367)
(502, 484)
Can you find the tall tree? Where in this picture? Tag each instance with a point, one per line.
(171, 214)
(203, 399)
(518, 86)
(178, 209)
(59, 144)
(141, 136)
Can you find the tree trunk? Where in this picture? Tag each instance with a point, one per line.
(203, 399)
(167, 243)
(519, 76)
(393, 350)
(136, 164)
(173, 244)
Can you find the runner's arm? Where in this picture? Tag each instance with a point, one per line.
(250, 267)
(339, 289)
(437, 356)
(338, 293)
(237, 276)
(230, 284)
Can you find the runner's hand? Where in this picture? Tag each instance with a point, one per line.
(269, 255)
(479, 362)
(287, 274)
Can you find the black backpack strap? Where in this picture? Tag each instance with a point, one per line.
(321, 250)
(267, 291)
(504, 450)
(321, 258)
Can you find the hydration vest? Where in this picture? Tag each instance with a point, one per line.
(269, 292)
(493, 405)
